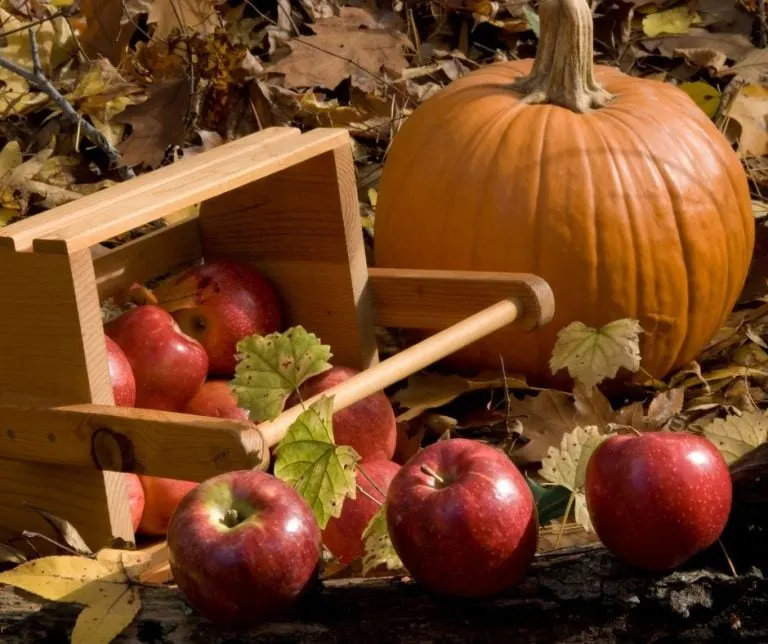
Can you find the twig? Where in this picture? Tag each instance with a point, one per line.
(37, 78)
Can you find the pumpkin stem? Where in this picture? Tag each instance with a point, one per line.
(563, 72)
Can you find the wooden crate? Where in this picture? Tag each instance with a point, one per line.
(281, 201)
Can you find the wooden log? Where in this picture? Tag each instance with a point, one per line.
(583, 596)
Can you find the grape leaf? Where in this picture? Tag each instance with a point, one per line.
(378, 546)
(271, 367)
(567, 467)
(737, 434)
(591, 355)
(308, 460)
(103, 585)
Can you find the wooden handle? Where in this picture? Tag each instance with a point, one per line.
(402, 365)
(99, 216)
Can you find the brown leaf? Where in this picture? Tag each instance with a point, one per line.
(752, 68)
(353, 44)
(664, 406)
(705, 58)
(169, 16)
(108, 29)
(747, 122)
(735, 46)
(68, 533)
(157, 123)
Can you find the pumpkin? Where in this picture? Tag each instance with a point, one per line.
(619, 191)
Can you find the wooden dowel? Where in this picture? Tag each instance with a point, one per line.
(401, 365)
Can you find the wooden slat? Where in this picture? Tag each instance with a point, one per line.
(261, 160)
(94, 437)
(147, 197)
(148, 257)
(301, 228)
(422, 299)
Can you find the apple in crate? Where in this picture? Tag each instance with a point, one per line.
(368, 426)
(343, 535)
(168, 365)
(244, 547)
(161, 496)
(217, 400)
(121, 374)
(462, 519)
(657, 499)
(220, 303)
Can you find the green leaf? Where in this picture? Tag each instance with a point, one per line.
(378, 546)
(308, 460)
(592, 355)
(532, 18)
(273, 366)
(551, 501)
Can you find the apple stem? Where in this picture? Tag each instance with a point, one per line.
(430, 472)
(231, 518)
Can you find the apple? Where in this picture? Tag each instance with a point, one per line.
(658, 498)
(216, 399)
(168, 365)
(161, 496)
(343, 535)
(136, 498)
(462, 519)
(121, 374)
(368, 426)
(220, 303)
(244, 547)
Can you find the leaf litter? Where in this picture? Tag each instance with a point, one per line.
(163, 80)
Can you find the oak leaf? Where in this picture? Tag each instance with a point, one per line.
(185, 16)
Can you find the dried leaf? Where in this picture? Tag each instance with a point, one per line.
(672, 21)
(68, 533)
(752, 68)
(108, 30)
(704, 95)
(378, 545)
(738, 434)
(664, 406)
(747, 123)
(184, 16)
(591, 355)
(157, 123)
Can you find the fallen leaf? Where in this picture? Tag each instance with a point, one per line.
(308, 460)
(567, 466)
(185, 16)
(592, 355)
(664, 407)
(68, 533)
(735, 46)
(672, 21)
(10, 555)
(353, 44)
(708, 59)
(752, 68)
(737, 434)
(156, 123)
(109, 29)
(270, 368)
(208, 141)
(551, 501)
(704, 95)
(110, 598)
(378, 545)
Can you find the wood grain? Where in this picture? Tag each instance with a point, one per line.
(148, 196)
(301, 228)
(150, 442)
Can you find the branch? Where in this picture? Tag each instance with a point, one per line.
(37, 78)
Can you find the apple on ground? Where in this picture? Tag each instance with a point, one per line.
(343, 535)
(368, 426)
(161, 496)
(217, 400)
(244, 547)
(462, 519)
(121, 374)
(659, 498)
(136, 500)
(220, 303)
(168, 365)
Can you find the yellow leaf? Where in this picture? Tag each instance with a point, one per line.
(746, 121)
(705, 96)
(738, 434)
(591, 355)
(10, 157)
(567, 467)
(111, 599)
(672, 21)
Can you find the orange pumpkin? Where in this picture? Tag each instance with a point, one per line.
(619, 191)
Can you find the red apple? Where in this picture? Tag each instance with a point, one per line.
(168, 365)
(135, 498)
(462, 518)
(161, 496)
(216, 399)
(368, 426)
(244, 547)
(659, 498)
(121, 374)
(343, 536)
(219, 304)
